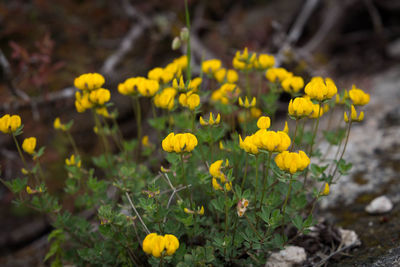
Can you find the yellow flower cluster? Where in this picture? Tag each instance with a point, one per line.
(353, 115)
(9, 124)
(277, 74)
(29, 145)
(246, 103)
(189, 100)
(292, 84)
(165, 99)
(292, 162)
(265, 140)
(216, 173)
(264, 61)
(244, 60)
(172, 70)
(199, 211)
(358, 96)
(211, 120)
(320, 89)
(227, 93)
(224, 75)
(135, 85)
(89, 81)
(326, 190)
(211, 66)
(156, 245)
(92, 95)
(72, 161)
(300, 107)
(179, 143)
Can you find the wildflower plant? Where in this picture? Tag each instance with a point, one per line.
(217, 189)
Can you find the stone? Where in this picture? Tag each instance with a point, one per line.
(287, 257)
(349, 237)
(379, 205)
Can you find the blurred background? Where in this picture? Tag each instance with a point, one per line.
(44, 45)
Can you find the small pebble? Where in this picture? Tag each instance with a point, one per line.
(379, 205)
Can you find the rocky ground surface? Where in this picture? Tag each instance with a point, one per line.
(374, 150)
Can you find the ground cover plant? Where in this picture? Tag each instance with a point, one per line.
(216, 182)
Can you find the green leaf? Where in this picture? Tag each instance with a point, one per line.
(17, 185)
(298, 222)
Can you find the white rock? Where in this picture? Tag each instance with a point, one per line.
(349, 237)
(379, 205)
(287, 257)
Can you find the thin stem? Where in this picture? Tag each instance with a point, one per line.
(72, 141)
(294, 136)
(265, 178)
(312, 142)
(193, 120)
(226, 218)
(247, 84)
(189, 192)
(21, 155)
(137, 213)
(161, 264)
(256, 185)
(252, 227)
(138, 114)
(285, 203)
(188, 47)
(245, 172)
(344, 149)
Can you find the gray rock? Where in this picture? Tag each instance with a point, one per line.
(287, 257)
(379, 205)
(349, 237)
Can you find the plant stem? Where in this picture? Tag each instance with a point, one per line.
(226, 218)
(312, 142)
(256, 185)
(137, 213)
(72, 141)
(188, 47)
(265, 178)
(138, 126)
(245, 172)
(248, 84)
(189, 192)
(294, 136)
(252, 227)
(285, 203)
(344, 149)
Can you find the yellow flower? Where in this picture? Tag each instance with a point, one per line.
(148, 88)
(9, 124)
(29, 145)
(314, 113)
(179, 143)
(58, 125)
(224, 75)
(215, 169)
(325, 192)
(156, 74)
(145, 141)
(165, 99)
(264, 61)
(286, 128)
(320, 89)
(201, 211)
(340, 100)
(195, 84)
(155, 244)
(171, 243)
(99, 96)
(264, 122)
(300, 107)
(248, 144)
(277, 74)
(73, 162)
(292, 84)
(244, 60)
(226, 93)
(82, 102)
(89, 81)
(189, 100)
(29, 190)
(211, 66)
(353, 115)
(246, 103)
(211, 120)
(180, 86)
(131, 86)
(271, 141)
(358, 96)
(292, 162)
